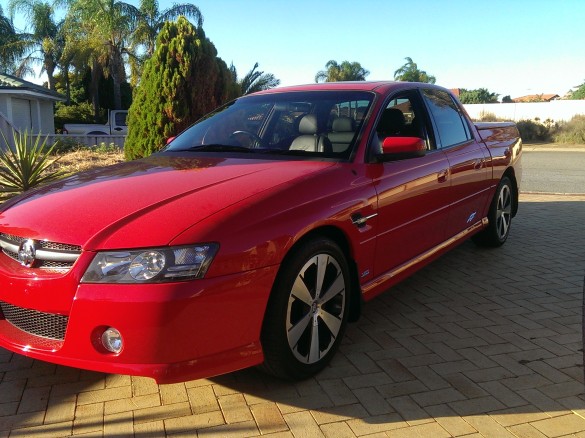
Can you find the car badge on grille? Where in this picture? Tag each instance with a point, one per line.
(27, 252)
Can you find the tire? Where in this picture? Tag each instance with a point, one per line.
(307, 311)
(499, 216)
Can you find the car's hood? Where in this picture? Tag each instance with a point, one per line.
(144, 202)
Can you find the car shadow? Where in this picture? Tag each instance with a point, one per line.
(479, 331)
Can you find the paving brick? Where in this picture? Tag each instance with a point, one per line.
(339, 414)
(337, 430)
(376, 424)
(338, 392)
(235, 430)
(373, 401)
(187, 425)
(119, 425)
(561, 425)
(449, 420)
(488, 427)
(143, 386)
(131, 404)
(526, 431)
(366, 380)
(34, 399)
(302, 425)
(502, 393)
(434, 430)
(428, 377)
(480, 405)
(268, 418)
(540, 400)
(162, 412)
(234, 408)
(88, 418)
(103, 395)
(518, 415)
(153, 429)
(396, 370)
(46, 430)
(439, 396)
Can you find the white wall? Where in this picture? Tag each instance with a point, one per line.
(557, 110)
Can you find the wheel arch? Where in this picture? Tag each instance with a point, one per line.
(512, 175)
(340, 238)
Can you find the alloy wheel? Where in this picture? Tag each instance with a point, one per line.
(315, 308)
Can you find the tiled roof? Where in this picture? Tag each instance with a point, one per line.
(536, 98)
(8, 82)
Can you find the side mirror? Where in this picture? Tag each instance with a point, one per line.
(399, 148)
(170, 139)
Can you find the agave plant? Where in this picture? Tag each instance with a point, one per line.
(27, 164)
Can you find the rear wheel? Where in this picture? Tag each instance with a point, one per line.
(499, 216)
(307, 311)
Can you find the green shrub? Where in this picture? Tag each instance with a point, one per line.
(27, 165)
(65, 145)
(572, 132)
(105, 148)
(533, 131)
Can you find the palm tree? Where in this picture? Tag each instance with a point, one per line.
(106, 26)
(43, 46)
(10, 47)
(254, 81)
(151, 21)
(409, 72)
(346, 71)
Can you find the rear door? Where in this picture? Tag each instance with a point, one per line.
(467, 158)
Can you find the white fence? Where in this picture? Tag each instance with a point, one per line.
(556, 110)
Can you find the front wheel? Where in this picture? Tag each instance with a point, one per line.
(307, 311)
(499, 216)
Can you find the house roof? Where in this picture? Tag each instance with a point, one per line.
(11, 84)
(536, 98)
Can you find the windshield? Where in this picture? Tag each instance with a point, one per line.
(317, 123)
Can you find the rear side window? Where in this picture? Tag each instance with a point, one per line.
(450, 123)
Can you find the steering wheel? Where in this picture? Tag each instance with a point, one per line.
(249, 134)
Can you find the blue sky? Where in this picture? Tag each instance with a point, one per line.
(514, 47)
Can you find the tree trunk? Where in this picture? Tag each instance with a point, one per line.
(115, 66)
(94, 90)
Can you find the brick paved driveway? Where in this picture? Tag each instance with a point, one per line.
(480, 343)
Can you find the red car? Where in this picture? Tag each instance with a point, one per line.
(255, 235)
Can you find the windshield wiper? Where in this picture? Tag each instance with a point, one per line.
(215, 148)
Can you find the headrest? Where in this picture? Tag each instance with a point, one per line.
(392, 121)
(308, 125)
(343, 124)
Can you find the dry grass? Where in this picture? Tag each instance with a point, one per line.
(86, 159)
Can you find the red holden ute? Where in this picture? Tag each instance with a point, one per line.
(255, 235)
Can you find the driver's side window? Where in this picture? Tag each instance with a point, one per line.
(402, 117)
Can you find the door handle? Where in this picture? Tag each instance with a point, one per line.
(442, 175)
(478, 164)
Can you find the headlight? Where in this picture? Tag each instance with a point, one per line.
(150, 265)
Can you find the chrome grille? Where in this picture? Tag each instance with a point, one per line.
(51, 256)
(45, 325)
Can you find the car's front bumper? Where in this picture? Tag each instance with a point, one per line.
(171, 331)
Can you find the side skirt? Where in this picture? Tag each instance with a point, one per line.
(383, 282)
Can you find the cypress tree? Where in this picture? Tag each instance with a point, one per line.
(181, 82)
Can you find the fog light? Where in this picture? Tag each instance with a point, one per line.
(112, 340)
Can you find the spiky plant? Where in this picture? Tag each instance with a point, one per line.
(27, 164)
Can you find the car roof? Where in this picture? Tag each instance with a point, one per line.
(376, 86)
